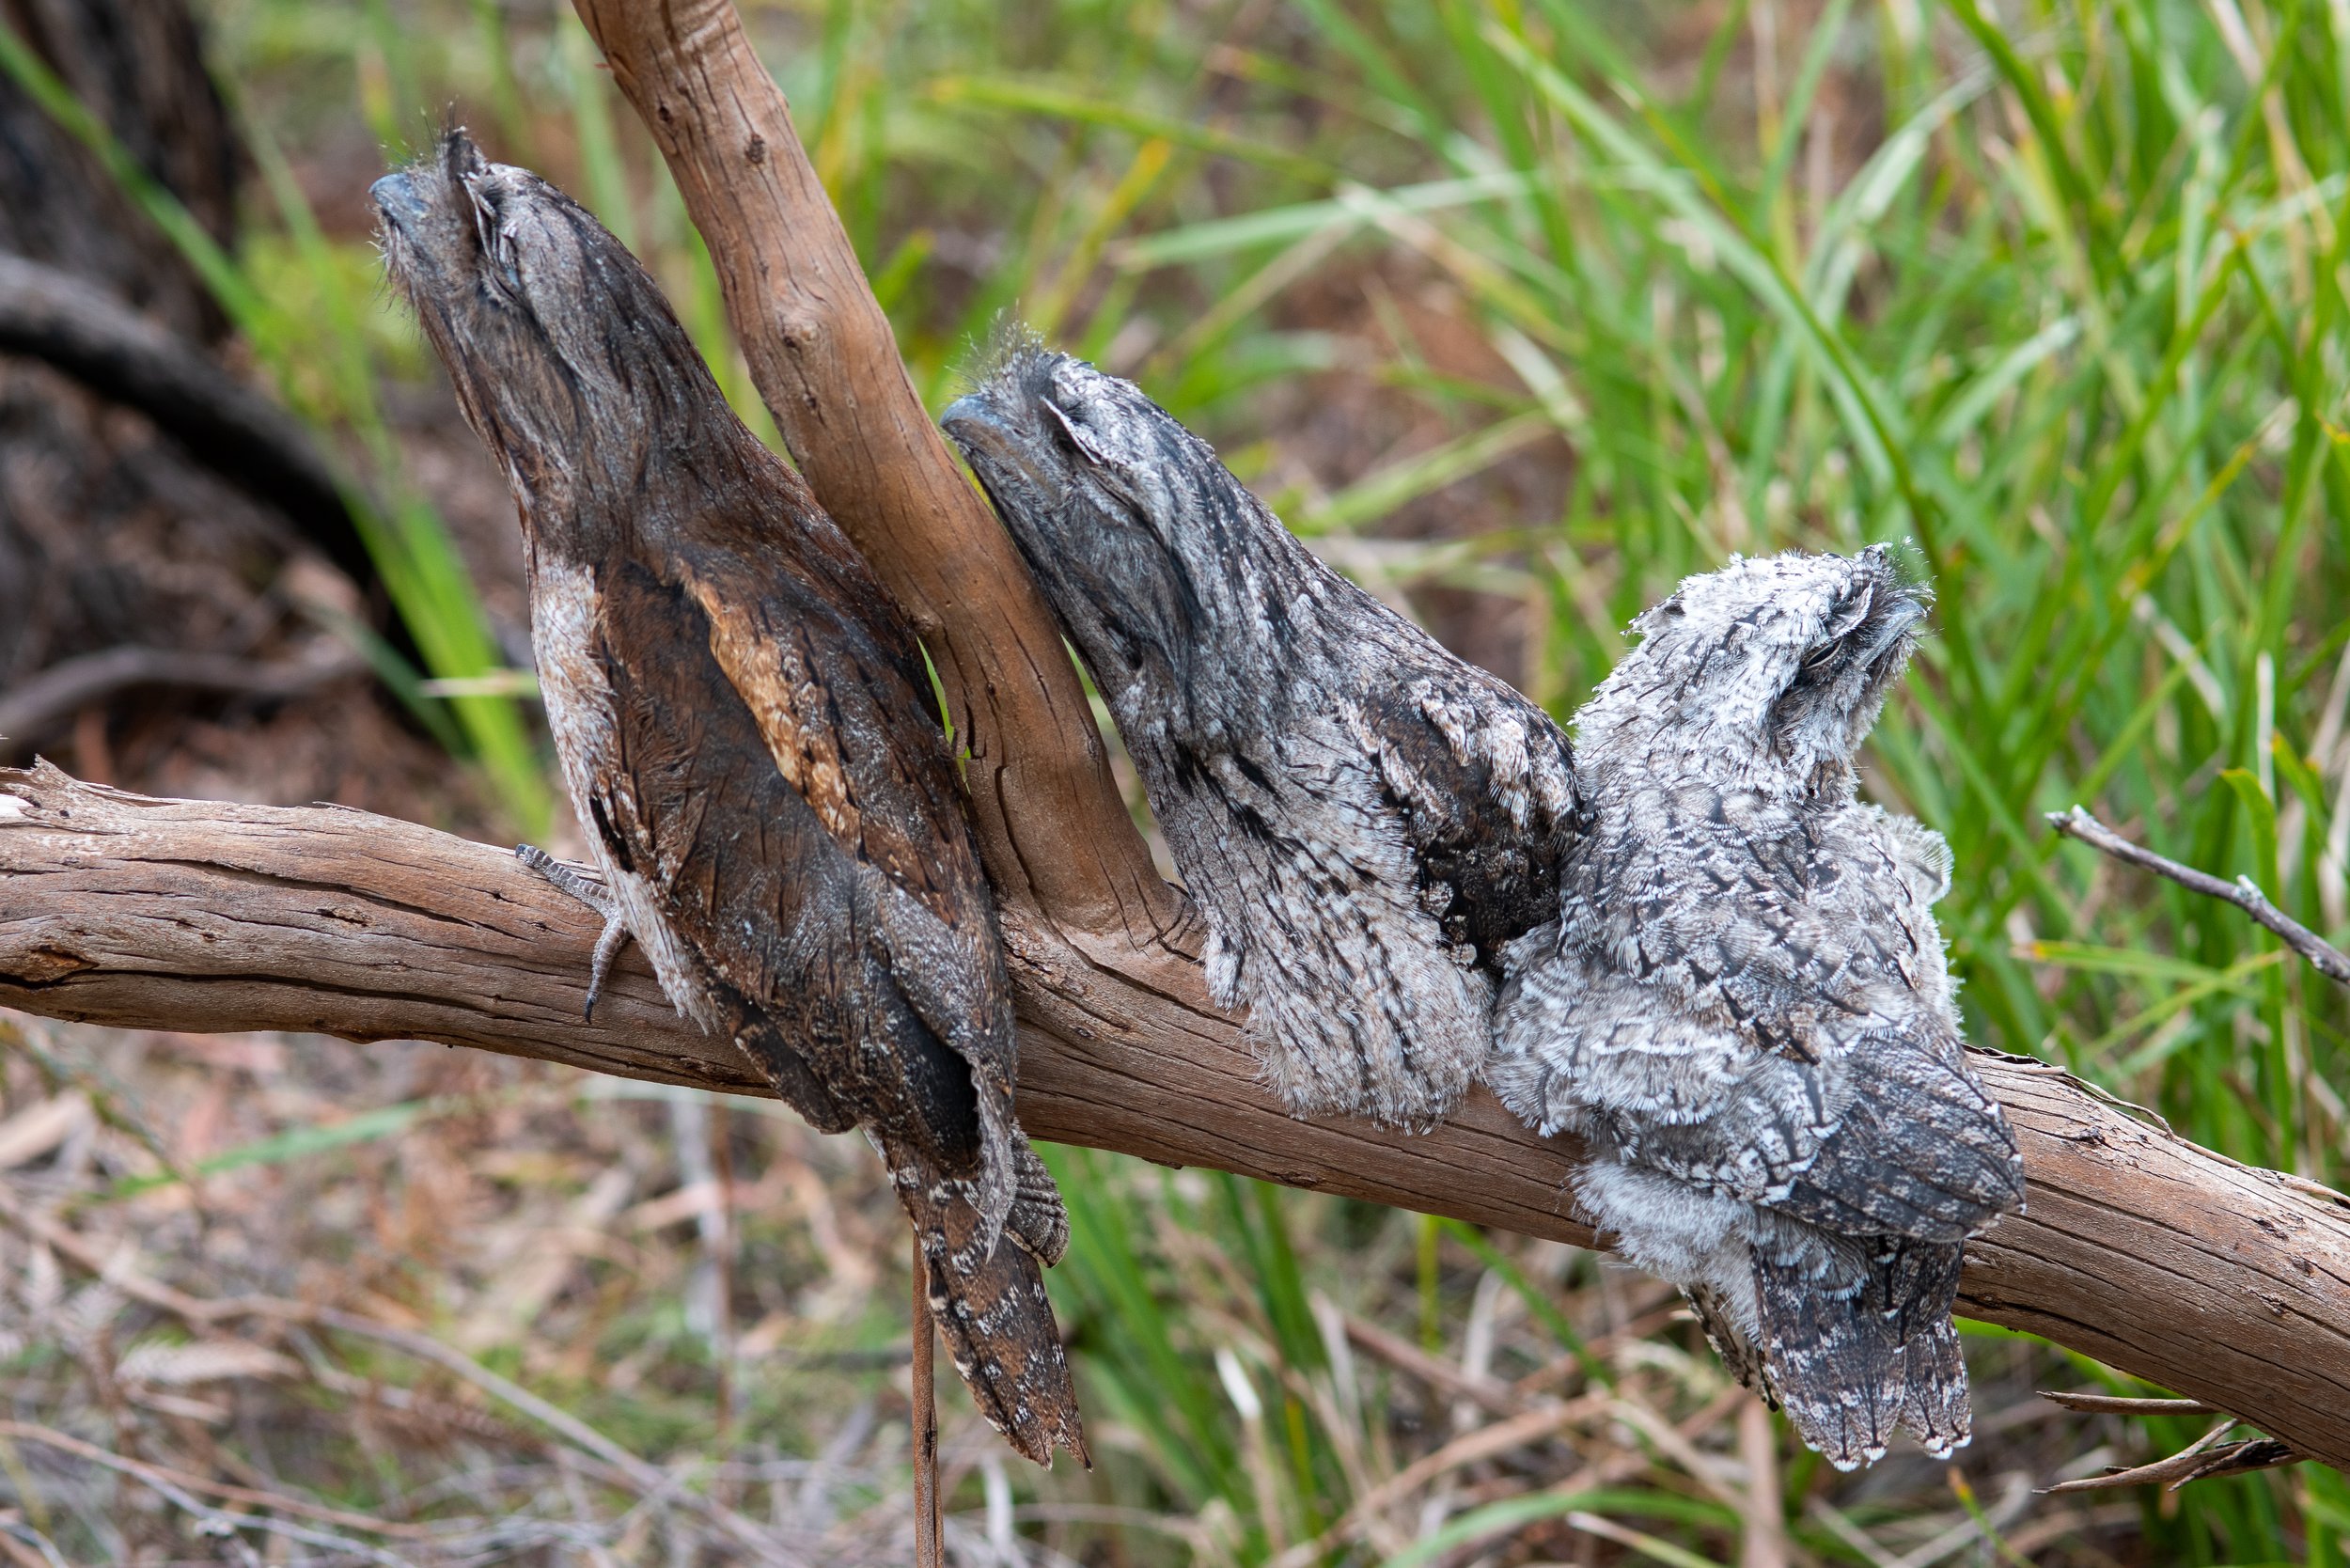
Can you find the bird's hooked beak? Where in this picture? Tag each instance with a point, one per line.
(1008, 453)
(395, 198)
(401, 196)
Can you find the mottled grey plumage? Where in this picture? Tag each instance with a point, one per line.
(1744, 1007)
(1363, 819)
(747, 733)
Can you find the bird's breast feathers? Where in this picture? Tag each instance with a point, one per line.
(567, 641)
(1763, 917)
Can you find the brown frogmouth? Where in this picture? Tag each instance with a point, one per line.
(747, 733)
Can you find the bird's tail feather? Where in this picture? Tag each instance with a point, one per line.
(1934, 1394)
(1834, 1360)
(1036, 1219)
(1848, 1367)
(989, 1299)
(1719, 1319)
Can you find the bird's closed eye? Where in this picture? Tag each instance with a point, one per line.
(1080, 440)
(1849, 613)
(498, 247)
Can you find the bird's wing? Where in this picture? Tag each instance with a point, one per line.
(1795, 938)
(756, 786)
(839, 696)
(1891, 1137)
(1355, 1001)
(1856, 1109)
(1922, 1151)
(1485, 784)
(1735, 1065)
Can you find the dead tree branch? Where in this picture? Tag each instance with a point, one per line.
(31, 708)
(2243, 892)
(2157, 1256)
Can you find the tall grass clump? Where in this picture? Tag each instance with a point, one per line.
(1520, 310)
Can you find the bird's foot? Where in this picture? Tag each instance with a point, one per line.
(592, 893)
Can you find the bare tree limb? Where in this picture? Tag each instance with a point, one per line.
(32, 706)
(2243, 892)
(2157, 1256)
(2122, 1404)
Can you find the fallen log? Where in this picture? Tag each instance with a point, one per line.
(2137, 1247)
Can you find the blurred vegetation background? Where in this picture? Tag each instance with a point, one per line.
(1517, 310)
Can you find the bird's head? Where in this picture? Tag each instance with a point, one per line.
(567, 359)
(1126, 517)
(1767, 674)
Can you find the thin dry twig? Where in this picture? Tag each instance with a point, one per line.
(650, 1482)
(930, 1547)
(2122, 1404)
(2195, 1463)
(1485, 1442)
(1762, 1533)
(2244, 892)
(170, 1484)
(1496, 1396)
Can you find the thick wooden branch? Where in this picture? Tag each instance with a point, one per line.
(2160, 1258)
(1050, 826)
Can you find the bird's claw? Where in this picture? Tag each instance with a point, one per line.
(608, 945)
(595, 896)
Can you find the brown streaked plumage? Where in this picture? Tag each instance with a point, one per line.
(746, 730)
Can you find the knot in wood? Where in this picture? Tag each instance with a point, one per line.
(800, 331)
(46, 965)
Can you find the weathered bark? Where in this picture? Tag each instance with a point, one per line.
(2137, 1247)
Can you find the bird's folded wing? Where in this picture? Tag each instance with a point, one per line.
(1891, 1137)
(838, 695)
(1483, 782)
(1921, 1151)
